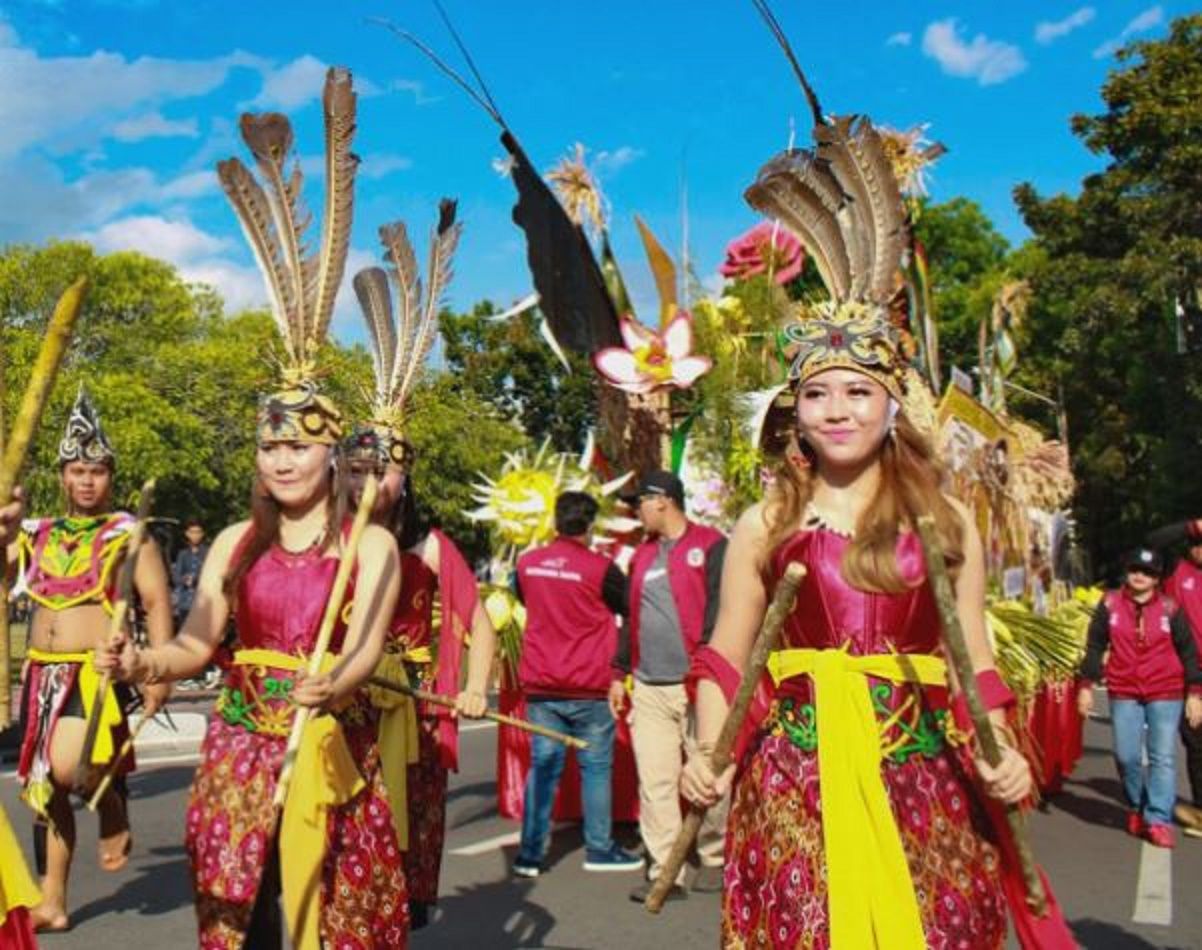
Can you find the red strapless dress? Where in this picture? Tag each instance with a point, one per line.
(230, 821)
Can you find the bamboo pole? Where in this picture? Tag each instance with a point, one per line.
(117, 621)
(325, 632)
(437, 699)
(720, 758)
(957, 651)
(15, 447)
(111, 772)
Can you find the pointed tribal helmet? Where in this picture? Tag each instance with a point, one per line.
(84, 439)
(400, 344)
(302, 284)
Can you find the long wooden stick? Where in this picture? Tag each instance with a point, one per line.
(437, 699)
(15, 448)
(111, 772)
(765, 643)
(125, 591)
(325, 632)
(957, 650)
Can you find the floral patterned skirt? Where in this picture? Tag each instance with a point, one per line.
(427, 791)
(775, 892)
(230, 823)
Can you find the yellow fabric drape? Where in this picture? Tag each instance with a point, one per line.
(326, 776)
(870, 892)
(17, 887)
(89, 679)
(397, 734)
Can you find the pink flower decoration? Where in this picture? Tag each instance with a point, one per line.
(766, 249)
(651, 360)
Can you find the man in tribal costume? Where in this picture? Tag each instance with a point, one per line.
(68, 567)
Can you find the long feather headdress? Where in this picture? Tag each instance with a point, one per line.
(401, 343)
(302, 283)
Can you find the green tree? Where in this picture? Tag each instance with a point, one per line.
(1108, 266)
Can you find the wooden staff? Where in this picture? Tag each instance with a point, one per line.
(111, 772)
(125, 591)
(957, 650)
(437, 699)
(15, 449)
(720, 758)
(324, 633)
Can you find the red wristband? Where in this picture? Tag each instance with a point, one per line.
(995, 694)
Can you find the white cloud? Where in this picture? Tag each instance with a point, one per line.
(987, 61)
(240, 286)
(189, 185)
(607, 163)
(900, 39)
(381, 164)
(416, 87)
(1147, 20)
(178, 241)
(1048, 31)
(292, 85)
(154, 125)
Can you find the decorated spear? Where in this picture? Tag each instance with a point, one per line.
(957, 651)
(437, 699)
(117, 620)
(324, 634)
(15, 449)
(765, 643)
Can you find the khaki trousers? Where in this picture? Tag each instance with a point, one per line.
(661, 734)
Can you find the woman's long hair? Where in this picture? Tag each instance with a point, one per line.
(910, 486)
(265, 527)
(407, 523)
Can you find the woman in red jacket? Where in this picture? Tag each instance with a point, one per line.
(1152, 662)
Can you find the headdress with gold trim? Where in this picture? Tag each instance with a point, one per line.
(302, 284)
(401, 343)
(84, 439)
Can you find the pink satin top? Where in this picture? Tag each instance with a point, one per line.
(281, 600)
(413, 619)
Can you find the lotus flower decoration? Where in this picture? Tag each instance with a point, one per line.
(653, 360)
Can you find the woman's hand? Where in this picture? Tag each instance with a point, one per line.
(314, 692)
(699, 785)
(1193, 711)
(1010, 781)
(119, 658)
(154, 698)
(1085, 701)
(471, 703)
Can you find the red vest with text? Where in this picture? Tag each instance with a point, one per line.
(686, 575)
(570, 635)
(1185, 587)
(1143, 663)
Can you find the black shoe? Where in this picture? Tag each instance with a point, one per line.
(419, 915)
(675, 893)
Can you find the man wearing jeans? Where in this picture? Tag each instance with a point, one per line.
(572, 595)
(674, 579)
(1151, 667)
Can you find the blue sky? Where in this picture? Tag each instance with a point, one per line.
(115, 111)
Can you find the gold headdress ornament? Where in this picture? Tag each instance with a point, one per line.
(843, 199)
(400, 347)
(302, 284)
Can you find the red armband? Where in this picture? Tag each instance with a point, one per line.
(709, 664)
(995, 694)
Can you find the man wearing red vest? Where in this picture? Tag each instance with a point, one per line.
(1152, 665)
(674, 580)
(572, 595)
(1185, 586)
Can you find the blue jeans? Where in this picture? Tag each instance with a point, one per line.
(1155, 797)
(587, 719)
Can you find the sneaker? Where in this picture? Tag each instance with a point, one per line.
(1189, 817)
(525, 868)
(708, 879)
(615, 859)
(1135, 824)
(1159, 835)
(675, 893)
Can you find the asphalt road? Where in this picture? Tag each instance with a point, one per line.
(1096, 869)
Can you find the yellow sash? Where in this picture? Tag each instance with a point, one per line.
(326, 776)
(871, 894)
(89, 679)
(398, 734)
(17, 887)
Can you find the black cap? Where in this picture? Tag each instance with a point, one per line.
(661, 483)
(1144, 559)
